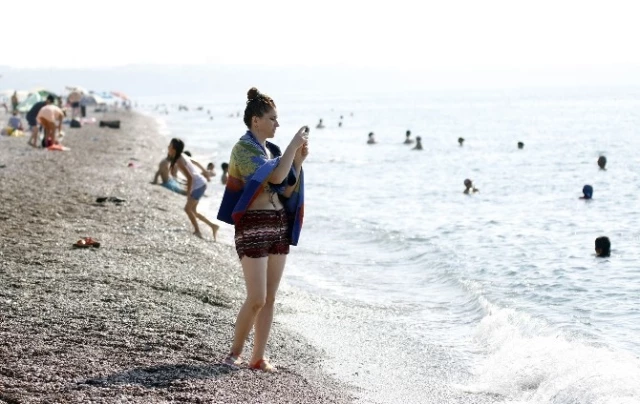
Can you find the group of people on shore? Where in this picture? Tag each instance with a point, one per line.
(44, 117)
(196, 177)
(264, 201)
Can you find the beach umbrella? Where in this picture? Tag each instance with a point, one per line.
(31, 99)
(92, 99)
(77, 88)
(120, 95)
(34, 97)
(45, 93)
(103, 94)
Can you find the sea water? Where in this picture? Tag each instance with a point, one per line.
(419, 293)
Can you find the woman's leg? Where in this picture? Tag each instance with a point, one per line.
(255, 279)
(213, 226)
(275, 268)
(190, 209)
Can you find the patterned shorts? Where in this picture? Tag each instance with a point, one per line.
(261, 233)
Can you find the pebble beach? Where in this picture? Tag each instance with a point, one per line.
(147, 316)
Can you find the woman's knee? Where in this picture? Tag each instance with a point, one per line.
(256, 303)
(270, 300)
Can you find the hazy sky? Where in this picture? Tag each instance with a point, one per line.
(411, 34)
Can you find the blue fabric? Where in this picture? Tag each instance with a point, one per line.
(249, 171)
(197, 193)
(174, 186)
(14, 122)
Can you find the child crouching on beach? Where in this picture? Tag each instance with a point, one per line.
(196, 185)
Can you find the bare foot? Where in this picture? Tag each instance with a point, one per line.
(263, 365)
(215, 228)
(197, 234)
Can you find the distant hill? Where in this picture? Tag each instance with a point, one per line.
(139, 80)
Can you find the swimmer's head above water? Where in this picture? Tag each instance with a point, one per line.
(603, 247)
(469, 188)
(602, 162)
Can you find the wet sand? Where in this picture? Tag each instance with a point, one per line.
(144, 318)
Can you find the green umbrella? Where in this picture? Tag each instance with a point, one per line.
(33, 97)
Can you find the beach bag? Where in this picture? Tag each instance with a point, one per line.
(75, 123)
(110, 124)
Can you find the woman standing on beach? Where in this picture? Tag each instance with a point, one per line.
(264, 200)
(196, 185)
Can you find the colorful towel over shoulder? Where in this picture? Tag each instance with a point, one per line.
(249, 171)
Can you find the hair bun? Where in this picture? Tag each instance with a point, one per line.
(252, 93)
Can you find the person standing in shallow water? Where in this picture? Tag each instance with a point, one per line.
(469, 188)
(263, 199)
(418, 145)
(225, 173)
(603, 247)
(587, 192)
(372, 139)
(408, 139)
(196, 185)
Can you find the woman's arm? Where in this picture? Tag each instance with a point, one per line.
(204, 172)
(284, 166)
(289, 189)
(155, 179)
(286, 160)
(300, 156)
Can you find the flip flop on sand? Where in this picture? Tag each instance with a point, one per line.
(87, 242)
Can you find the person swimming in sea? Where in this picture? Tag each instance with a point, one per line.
(211, 169)
(461, 141)
(418, 145)
(603, 247)
(602, 162)
(372, 139)
(408, 139)
(469, 188)
(520, 145)
(320, 125)
(587, 192)
(225, 173)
